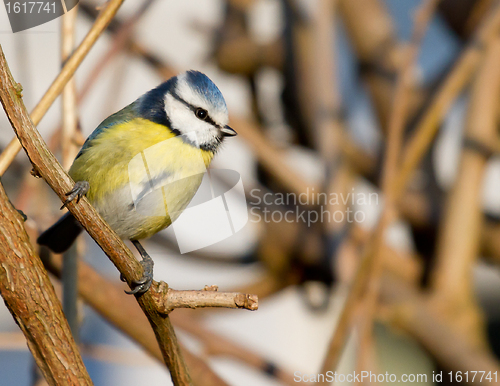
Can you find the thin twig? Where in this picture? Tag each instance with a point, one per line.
(69, 103)
(209, 297)
(64, 76)
(121, 38)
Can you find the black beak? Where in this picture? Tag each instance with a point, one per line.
(228, 132)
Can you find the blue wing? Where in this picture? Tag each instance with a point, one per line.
(124, 115)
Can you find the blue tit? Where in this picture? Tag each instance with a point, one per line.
(171, 135)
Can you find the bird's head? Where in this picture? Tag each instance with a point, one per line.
(190, 102)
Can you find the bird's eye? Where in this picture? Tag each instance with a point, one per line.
(201, 114)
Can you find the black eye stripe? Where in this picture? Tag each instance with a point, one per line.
(211, 121)
(193, 109)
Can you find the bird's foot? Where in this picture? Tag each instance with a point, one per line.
(79, 190)
(144, 283)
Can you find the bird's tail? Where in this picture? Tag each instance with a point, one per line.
(59, 237)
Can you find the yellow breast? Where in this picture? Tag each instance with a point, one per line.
(123, 160)
(105, 163)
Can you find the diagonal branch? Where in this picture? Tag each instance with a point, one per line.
(64, 76)
(47, 166)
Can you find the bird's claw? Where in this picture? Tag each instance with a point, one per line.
(140, 289)
(144, 283)
(79, 190)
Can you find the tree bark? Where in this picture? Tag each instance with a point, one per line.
(32, 301)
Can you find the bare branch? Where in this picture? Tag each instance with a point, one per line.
(69, 102)
(171, 299)
(64, 76)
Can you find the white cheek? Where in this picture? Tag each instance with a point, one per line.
(181, 117)
(184, 120)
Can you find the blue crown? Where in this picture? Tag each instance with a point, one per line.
(152, 104)
(206, 88)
